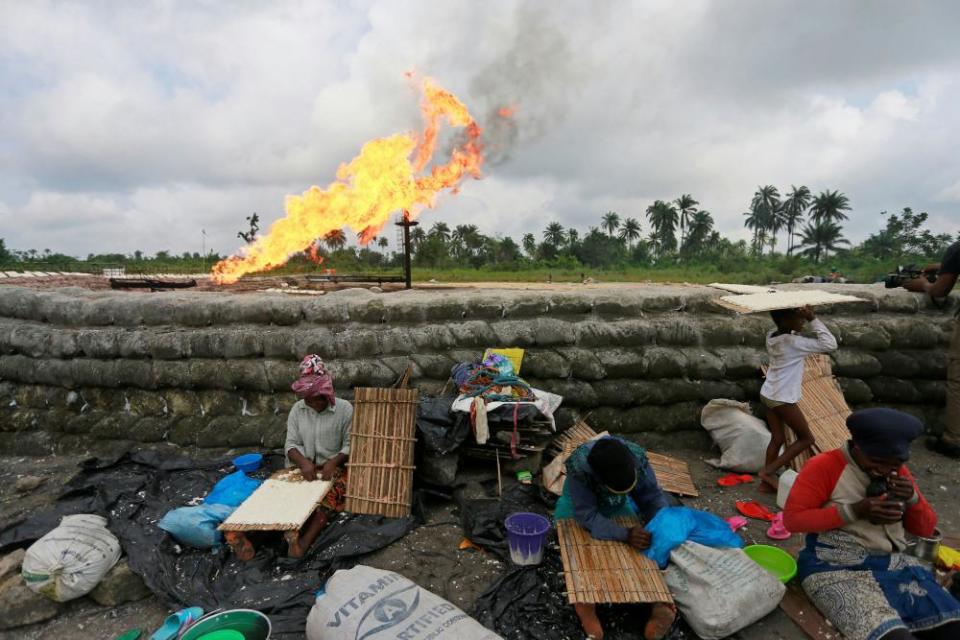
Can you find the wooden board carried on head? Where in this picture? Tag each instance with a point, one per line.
(607, 571)
(793, 299)
(282, 503)
(740, 288)
(381, 452)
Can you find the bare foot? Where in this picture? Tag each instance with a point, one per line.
(661, 620)
(589, 620)
(294, 549)
(768, 482)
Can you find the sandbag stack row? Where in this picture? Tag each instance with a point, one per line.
(213, 370)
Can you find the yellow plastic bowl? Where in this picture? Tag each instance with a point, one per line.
(773, 559)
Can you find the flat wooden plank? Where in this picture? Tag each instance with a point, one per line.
(282, 503)
(740, 288)
(801, 611)
(760, 302)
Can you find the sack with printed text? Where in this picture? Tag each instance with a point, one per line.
(364, 603)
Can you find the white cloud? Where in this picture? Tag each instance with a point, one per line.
(134, 125)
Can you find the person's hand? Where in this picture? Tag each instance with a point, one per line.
(309, 470)
(900, 488)
(917, 285)
(807, 313)
(328, 470)
(879, 510)
(639, 538)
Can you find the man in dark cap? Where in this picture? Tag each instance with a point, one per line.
(857, 503)
(607, 478)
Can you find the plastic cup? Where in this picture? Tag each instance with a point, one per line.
(248, 462)
(527, 535)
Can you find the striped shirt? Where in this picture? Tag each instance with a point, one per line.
(319, 435)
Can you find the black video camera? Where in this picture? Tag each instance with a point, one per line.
(896, 279)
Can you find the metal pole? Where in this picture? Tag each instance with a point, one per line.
(406, 223)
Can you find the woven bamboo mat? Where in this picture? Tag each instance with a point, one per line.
(282, 503)
(824, 407)
(381, 452)
(673, 475)
(607, 571)
(759, 302)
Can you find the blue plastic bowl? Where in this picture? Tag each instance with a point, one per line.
(248, 462)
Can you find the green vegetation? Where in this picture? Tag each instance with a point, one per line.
(681, 246)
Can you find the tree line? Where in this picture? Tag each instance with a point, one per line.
(670, 233)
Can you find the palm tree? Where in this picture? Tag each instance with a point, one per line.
(573, 236)
(335, 239)
(701, 226)
(766, 215)
(686, 205)
(820, 239)
(756, 222)
(554, 234)
(630, 231)
(418, 236)
(829, 206)
(383, 243)
(529, 243)
(440, 230)
(794, 208)
(611, 221)
(663, 219)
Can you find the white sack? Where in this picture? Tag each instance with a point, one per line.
(372, 604)
(720, 591)
(72, 559)
(741, 436)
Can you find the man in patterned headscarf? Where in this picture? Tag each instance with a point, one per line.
(318, 442)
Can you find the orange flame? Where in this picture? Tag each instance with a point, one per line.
(378, 182)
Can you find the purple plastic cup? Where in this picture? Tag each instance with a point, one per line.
(527, 535)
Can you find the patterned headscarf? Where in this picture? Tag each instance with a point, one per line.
(315, 380)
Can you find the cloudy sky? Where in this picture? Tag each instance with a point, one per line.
(134, 125)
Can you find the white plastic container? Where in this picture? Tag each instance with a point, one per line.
(787, 479)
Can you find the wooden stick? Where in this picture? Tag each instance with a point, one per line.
(499, 479)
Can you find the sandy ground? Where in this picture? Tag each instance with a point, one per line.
(430, 554)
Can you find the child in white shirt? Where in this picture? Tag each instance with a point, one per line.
(782, 389)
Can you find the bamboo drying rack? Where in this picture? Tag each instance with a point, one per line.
(607, 571)
(673, 475)
(381, 452)
(824, 407)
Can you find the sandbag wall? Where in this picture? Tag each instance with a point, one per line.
(214, 369)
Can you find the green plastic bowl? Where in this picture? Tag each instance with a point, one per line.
(252, 624)
(223, 634)
(773, 559)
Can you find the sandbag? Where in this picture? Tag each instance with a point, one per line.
(69, 561)
(720, 591)
(741, 436)
(196, 526)
(373, 604)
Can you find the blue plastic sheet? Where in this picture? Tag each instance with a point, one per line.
(673, 526)
(232, 490)
(196, 526)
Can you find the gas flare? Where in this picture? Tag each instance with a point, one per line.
(386, 177)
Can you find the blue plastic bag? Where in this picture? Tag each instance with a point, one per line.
(672, 526)
(232, 490)
(196, 526)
